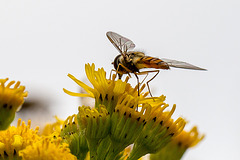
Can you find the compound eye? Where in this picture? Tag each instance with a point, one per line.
(116, 62)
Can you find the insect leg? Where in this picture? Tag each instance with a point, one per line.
(146, 72)
(150, 80)
(113, 70)
(144, 79)
(128, 70)
(137, 82)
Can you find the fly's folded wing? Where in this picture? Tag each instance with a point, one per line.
(180, 64)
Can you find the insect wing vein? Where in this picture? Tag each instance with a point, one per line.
(122, 44)
(180, 64)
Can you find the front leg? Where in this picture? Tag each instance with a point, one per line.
(121, 73)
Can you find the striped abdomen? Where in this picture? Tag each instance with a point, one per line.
(151, 62)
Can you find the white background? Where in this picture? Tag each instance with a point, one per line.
(42, 41)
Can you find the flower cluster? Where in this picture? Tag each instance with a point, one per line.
(21, 142)
(17, 138)
(122, 116)
(124, 124)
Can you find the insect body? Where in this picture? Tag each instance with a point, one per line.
(132, 61)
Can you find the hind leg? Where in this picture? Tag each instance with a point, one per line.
(146, 72)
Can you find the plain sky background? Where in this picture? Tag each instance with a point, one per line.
(42, 41)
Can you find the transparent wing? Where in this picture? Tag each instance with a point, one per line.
(180, 64)
(121, 43)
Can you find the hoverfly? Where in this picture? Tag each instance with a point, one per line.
(132, 61)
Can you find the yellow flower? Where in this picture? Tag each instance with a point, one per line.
(126, 124)
(95, 126)
(95, 123)
(106, 91)
(54, 127)
(16, 138)
(46, 149)
(72, 135)
(70, 125)
(159, 129)
(122, 116)
(188, 139)
(11, 99)
(178, 146)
